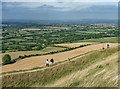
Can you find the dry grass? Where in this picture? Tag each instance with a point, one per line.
(101, 74)
(50, 75)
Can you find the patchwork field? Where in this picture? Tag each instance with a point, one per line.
(39, 61)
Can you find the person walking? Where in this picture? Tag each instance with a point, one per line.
(52, 61)
(103, 47)
(47, 63)
(108, 46)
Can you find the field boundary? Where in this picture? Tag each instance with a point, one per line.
(64, 50)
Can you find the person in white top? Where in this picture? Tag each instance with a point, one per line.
(47, 63)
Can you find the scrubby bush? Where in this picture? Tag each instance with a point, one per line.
(6, 59)
(21, 57)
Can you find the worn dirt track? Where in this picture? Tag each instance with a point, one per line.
(39, 61)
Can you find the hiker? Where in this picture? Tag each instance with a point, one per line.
(102, 46)
(108, 45)
(47, 63)
(52, 61)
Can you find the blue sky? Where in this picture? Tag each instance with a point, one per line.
(60, 10)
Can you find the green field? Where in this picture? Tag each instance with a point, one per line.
(15, 39)
(102, 40)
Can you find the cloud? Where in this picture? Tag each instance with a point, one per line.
(73, 8)
(58, 11)
(60, 1)
(57, 6)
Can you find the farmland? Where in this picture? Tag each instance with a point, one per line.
(22, 40)
(75, 48)
(14, 39)
(43, 51)
(71, 45)
(102, 40)
(39, 61)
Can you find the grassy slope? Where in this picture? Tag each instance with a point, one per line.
(100, 74)
(44, 77)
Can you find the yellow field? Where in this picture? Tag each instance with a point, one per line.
(71, 45)
(22, 53)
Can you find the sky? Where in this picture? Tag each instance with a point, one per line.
(59, 10)
(60, 0)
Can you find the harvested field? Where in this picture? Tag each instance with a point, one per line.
(71, 45)
(22, 53)
(39, 61)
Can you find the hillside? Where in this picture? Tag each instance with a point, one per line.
(98, 68)
(39, 61)
(101, 74)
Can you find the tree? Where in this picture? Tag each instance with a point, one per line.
(6, 59)
(39, 47)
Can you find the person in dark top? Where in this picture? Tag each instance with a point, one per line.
(52, 61)
(108, 45)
